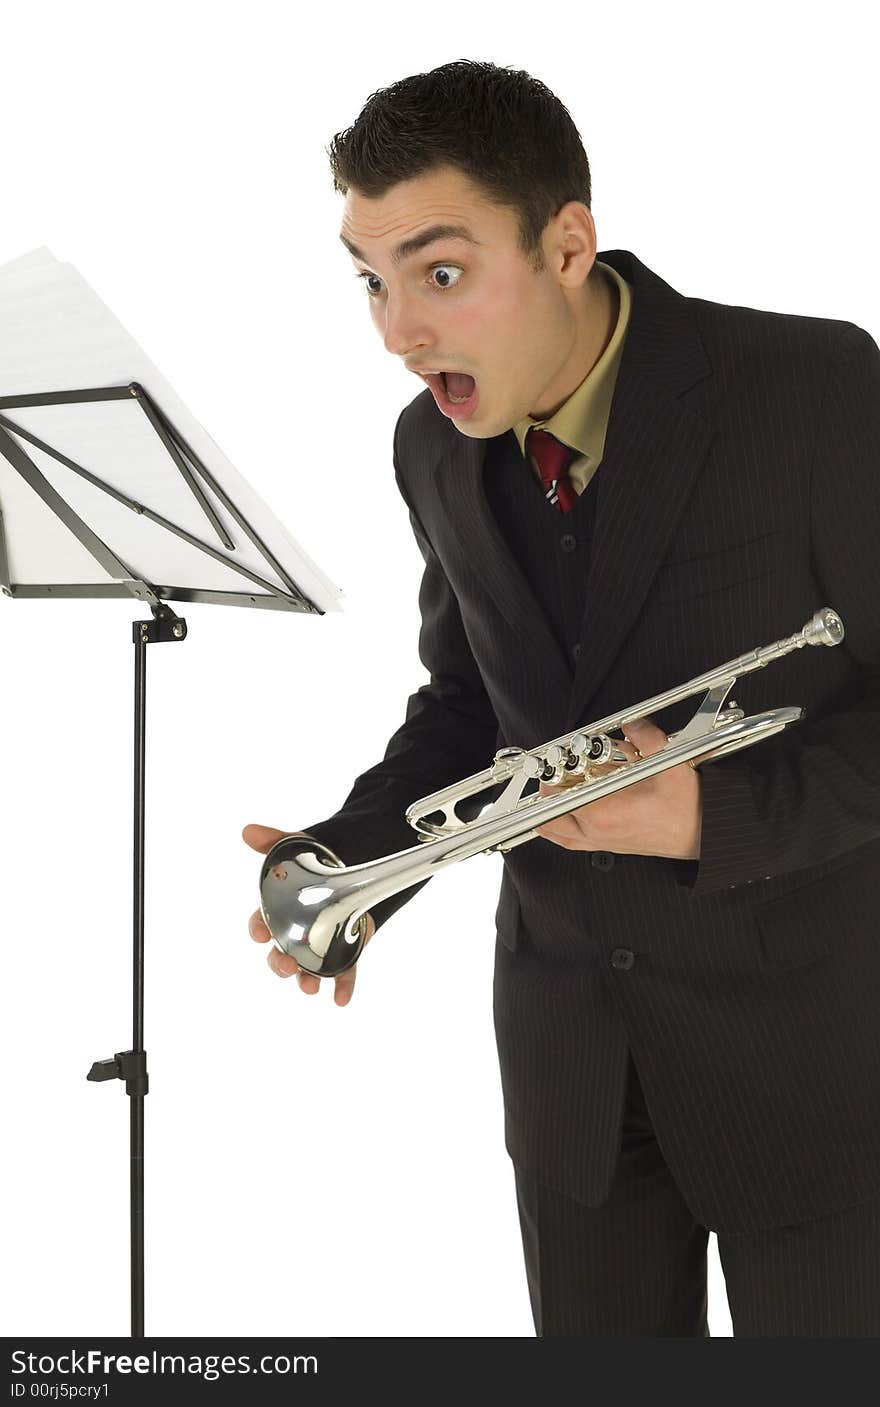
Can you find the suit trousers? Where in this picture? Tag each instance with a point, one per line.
(636, 1264)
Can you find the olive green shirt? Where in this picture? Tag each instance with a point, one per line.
(582, 420)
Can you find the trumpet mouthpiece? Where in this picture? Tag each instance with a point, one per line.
(825, 628)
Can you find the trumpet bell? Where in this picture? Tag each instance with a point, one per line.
(292, 900)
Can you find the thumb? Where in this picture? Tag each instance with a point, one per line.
(262, 838)
(646, 736)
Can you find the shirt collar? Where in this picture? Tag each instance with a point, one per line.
(581, 421)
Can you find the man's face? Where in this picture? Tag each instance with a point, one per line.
(477, 308)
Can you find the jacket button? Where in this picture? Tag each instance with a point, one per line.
(568, 542)
(576, 650)
(602, 860)
(623, 958)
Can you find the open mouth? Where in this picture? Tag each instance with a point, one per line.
(459, 386)
(455, 391)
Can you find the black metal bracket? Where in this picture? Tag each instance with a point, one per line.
(122, 581)
(165, 625)
(128, 1065)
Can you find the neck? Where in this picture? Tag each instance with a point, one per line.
(597, 322)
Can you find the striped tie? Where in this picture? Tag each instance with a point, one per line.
(553, 458)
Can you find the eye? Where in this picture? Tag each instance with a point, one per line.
(441, 268)
(436, 268)
(364, 277)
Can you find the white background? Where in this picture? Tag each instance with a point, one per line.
(313, 1169)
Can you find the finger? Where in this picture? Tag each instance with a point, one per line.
(262, 838)
(560, 828)
(257, 928)
(282, 964)
(631, 752)
(565, 838)
(344, 986)
(647, 737)
(344, 983)
(308, 982)
(286, 966)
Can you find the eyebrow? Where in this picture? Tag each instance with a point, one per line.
(411, 246)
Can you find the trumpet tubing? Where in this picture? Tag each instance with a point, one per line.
(314, 905)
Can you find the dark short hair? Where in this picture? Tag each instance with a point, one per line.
(502, 128)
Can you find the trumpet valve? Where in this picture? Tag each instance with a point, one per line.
(590, 747)
(601, 748)
(529, 765)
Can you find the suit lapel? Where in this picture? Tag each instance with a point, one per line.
(654, 451)
(462, 492)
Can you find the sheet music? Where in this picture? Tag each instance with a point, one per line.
(56, 334)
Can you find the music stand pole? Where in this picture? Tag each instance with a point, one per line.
(131, 1065)
(241, 585)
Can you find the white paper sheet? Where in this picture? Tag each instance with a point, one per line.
(57, 335)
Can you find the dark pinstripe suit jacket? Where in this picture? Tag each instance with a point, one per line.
(740, 491)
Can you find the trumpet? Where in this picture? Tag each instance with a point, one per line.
(315, 906)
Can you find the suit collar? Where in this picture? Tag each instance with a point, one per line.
(663, 342)
(654, 450)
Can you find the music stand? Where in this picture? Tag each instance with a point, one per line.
(51, 507)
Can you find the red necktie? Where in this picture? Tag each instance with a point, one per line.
(553, 459)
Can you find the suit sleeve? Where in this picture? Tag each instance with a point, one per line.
(449, 732)
(817, 794)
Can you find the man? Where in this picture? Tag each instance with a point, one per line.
(637, 487)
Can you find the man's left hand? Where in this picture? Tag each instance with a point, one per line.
(659, 815)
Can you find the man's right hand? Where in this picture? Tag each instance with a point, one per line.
(262, 838)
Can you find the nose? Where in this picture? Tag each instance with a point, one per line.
(405, 328)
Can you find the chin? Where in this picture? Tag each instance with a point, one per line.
(477, 432)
